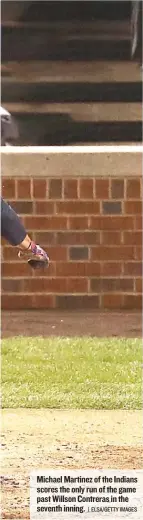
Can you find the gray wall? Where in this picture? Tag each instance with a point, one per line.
(12, 11)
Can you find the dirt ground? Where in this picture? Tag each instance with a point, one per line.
(61, 323)
(33, 439)
(74, 439)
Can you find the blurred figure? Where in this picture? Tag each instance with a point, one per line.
(9, 130)
(12, 228)
(136, 31)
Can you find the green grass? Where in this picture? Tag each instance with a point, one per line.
(73, 372)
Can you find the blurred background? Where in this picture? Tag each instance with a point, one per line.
(71, 70)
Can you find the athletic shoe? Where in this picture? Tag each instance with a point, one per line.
(38, 257)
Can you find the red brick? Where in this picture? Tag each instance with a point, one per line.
(45, 223)
(45, 238)
(14, 269)
(111, 207)
(77, 223)
(44, 285)
(138, 285)
(133, 207)
(39, 188)
(44, 207)
(57, 253)
(112, 222)
(78, 238)
(116, 269)
(117, 188)
(70, 302)
(51, 271)
(78, 253)
(138, 253)
(108, 285)
(55, 285)
(102, 189)
(111, 237)
(78, 269)
(17, 301)
(77, 285)
(70, 189)
(92, 269)
(55, 188)
(132, 237)
(112, 253)
(10, 253)
(24, 188)
(111, 269)
(10, 285)
(8, 188)
(112, 301)
(132, 268)
(28, 301)
(43, 301)
(78, 207)
(22, 207)
(138, 222)
(133, 190)
(132, 301)
(86, 188)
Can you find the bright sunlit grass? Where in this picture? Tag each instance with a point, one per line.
(70, 372)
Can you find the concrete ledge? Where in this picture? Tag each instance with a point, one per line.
(54, 162)
(116, 27)
(90, 112)
(60, 71)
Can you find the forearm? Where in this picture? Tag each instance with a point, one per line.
(14, 232)
(12, 228)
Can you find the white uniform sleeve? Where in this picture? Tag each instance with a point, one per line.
(4, 112)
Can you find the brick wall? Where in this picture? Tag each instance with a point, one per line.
(91, 229)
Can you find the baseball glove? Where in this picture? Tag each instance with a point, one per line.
(38, 263)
